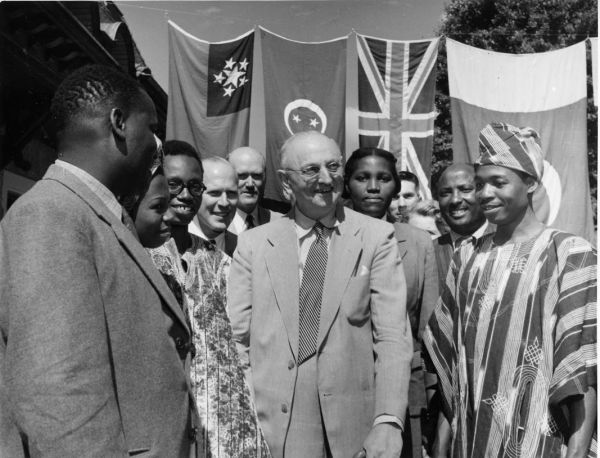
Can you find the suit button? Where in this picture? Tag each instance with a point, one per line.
(291, 364)
(284, 408)
(193, 433)
(179, 343)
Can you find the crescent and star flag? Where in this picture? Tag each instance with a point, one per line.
(209, 91)
(305, 89)
(396, 91)
(546, 91)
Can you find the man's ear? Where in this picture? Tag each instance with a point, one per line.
(117, 123)
(532, 184)
(285, 184)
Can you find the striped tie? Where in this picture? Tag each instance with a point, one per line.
(311, 292)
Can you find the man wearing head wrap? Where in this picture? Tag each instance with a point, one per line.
(513, 337)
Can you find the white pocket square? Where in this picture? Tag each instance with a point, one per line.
(362, 271)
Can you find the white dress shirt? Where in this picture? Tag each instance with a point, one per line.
(194, 228)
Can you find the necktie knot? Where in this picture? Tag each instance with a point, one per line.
(321, 230)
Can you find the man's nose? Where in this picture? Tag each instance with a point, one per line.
(484, 193)
(324, 175)
(455, 197)
(185, 194)
(249, 183)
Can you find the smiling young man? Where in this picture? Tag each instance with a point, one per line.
(184, 174)
(513, 338)
(317, 305)
(218, 205)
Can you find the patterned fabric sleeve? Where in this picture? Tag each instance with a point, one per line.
(438, 339)
(575, 313)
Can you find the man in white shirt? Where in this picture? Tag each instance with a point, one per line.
(219, 202)
(249, 165)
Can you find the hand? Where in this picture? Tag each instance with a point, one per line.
(383, 441)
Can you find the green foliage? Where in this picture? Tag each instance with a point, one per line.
(518, 27)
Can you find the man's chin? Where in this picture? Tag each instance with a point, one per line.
(247, 207)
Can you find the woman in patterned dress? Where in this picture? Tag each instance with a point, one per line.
(196, 272)
(513, 337)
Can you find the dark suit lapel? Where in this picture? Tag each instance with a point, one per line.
(264, 215)
(230, 243)
(124, 235)
(282, 265)
(342, 262)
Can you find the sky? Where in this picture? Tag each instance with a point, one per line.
(308, 21)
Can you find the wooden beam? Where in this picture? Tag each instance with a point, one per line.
(40, 69)
(77, 32)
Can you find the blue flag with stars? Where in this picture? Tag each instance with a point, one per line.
(210, 89)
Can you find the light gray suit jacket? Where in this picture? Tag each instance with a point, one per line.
(93, 347)
(364, 346)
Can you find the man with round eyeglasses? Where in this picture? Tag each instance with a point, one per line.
(317, 304)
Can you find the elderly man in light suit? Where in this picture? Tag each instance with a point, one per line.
(94, 348)
(317, 303)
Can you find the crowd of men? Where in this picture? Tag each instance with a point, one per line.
(95, 349)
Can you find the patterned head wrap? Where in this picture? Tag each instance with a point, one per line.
(508, 146)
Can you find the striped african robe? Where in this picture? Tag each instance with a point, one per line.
(513, 335)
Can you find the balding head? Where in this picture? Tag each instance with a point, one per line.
(310, 139)
(220, 197)
(456, 194)
(311, 173)
(249, 166)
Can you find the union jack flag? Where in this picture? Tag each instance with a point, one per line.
(396, 89)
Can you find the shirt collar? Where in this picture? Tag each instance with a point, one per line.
(101, 191)
(200, 233)
(454, 236)
(304, 224)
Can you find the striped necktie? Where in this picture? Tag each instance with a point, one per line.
(311, 292)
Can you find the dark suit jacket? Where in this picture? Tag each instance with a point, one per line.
(364, 347)
(418, 259)
(264, 216)
(94, 348)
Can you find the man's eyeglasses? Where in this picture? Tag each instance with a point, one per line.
(196, 188)
(310, 172)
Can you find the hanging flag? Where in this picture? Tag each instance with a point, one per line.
(305, 89)
(209, 91)
(545, 91)
(594, 43)
(396, 90)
